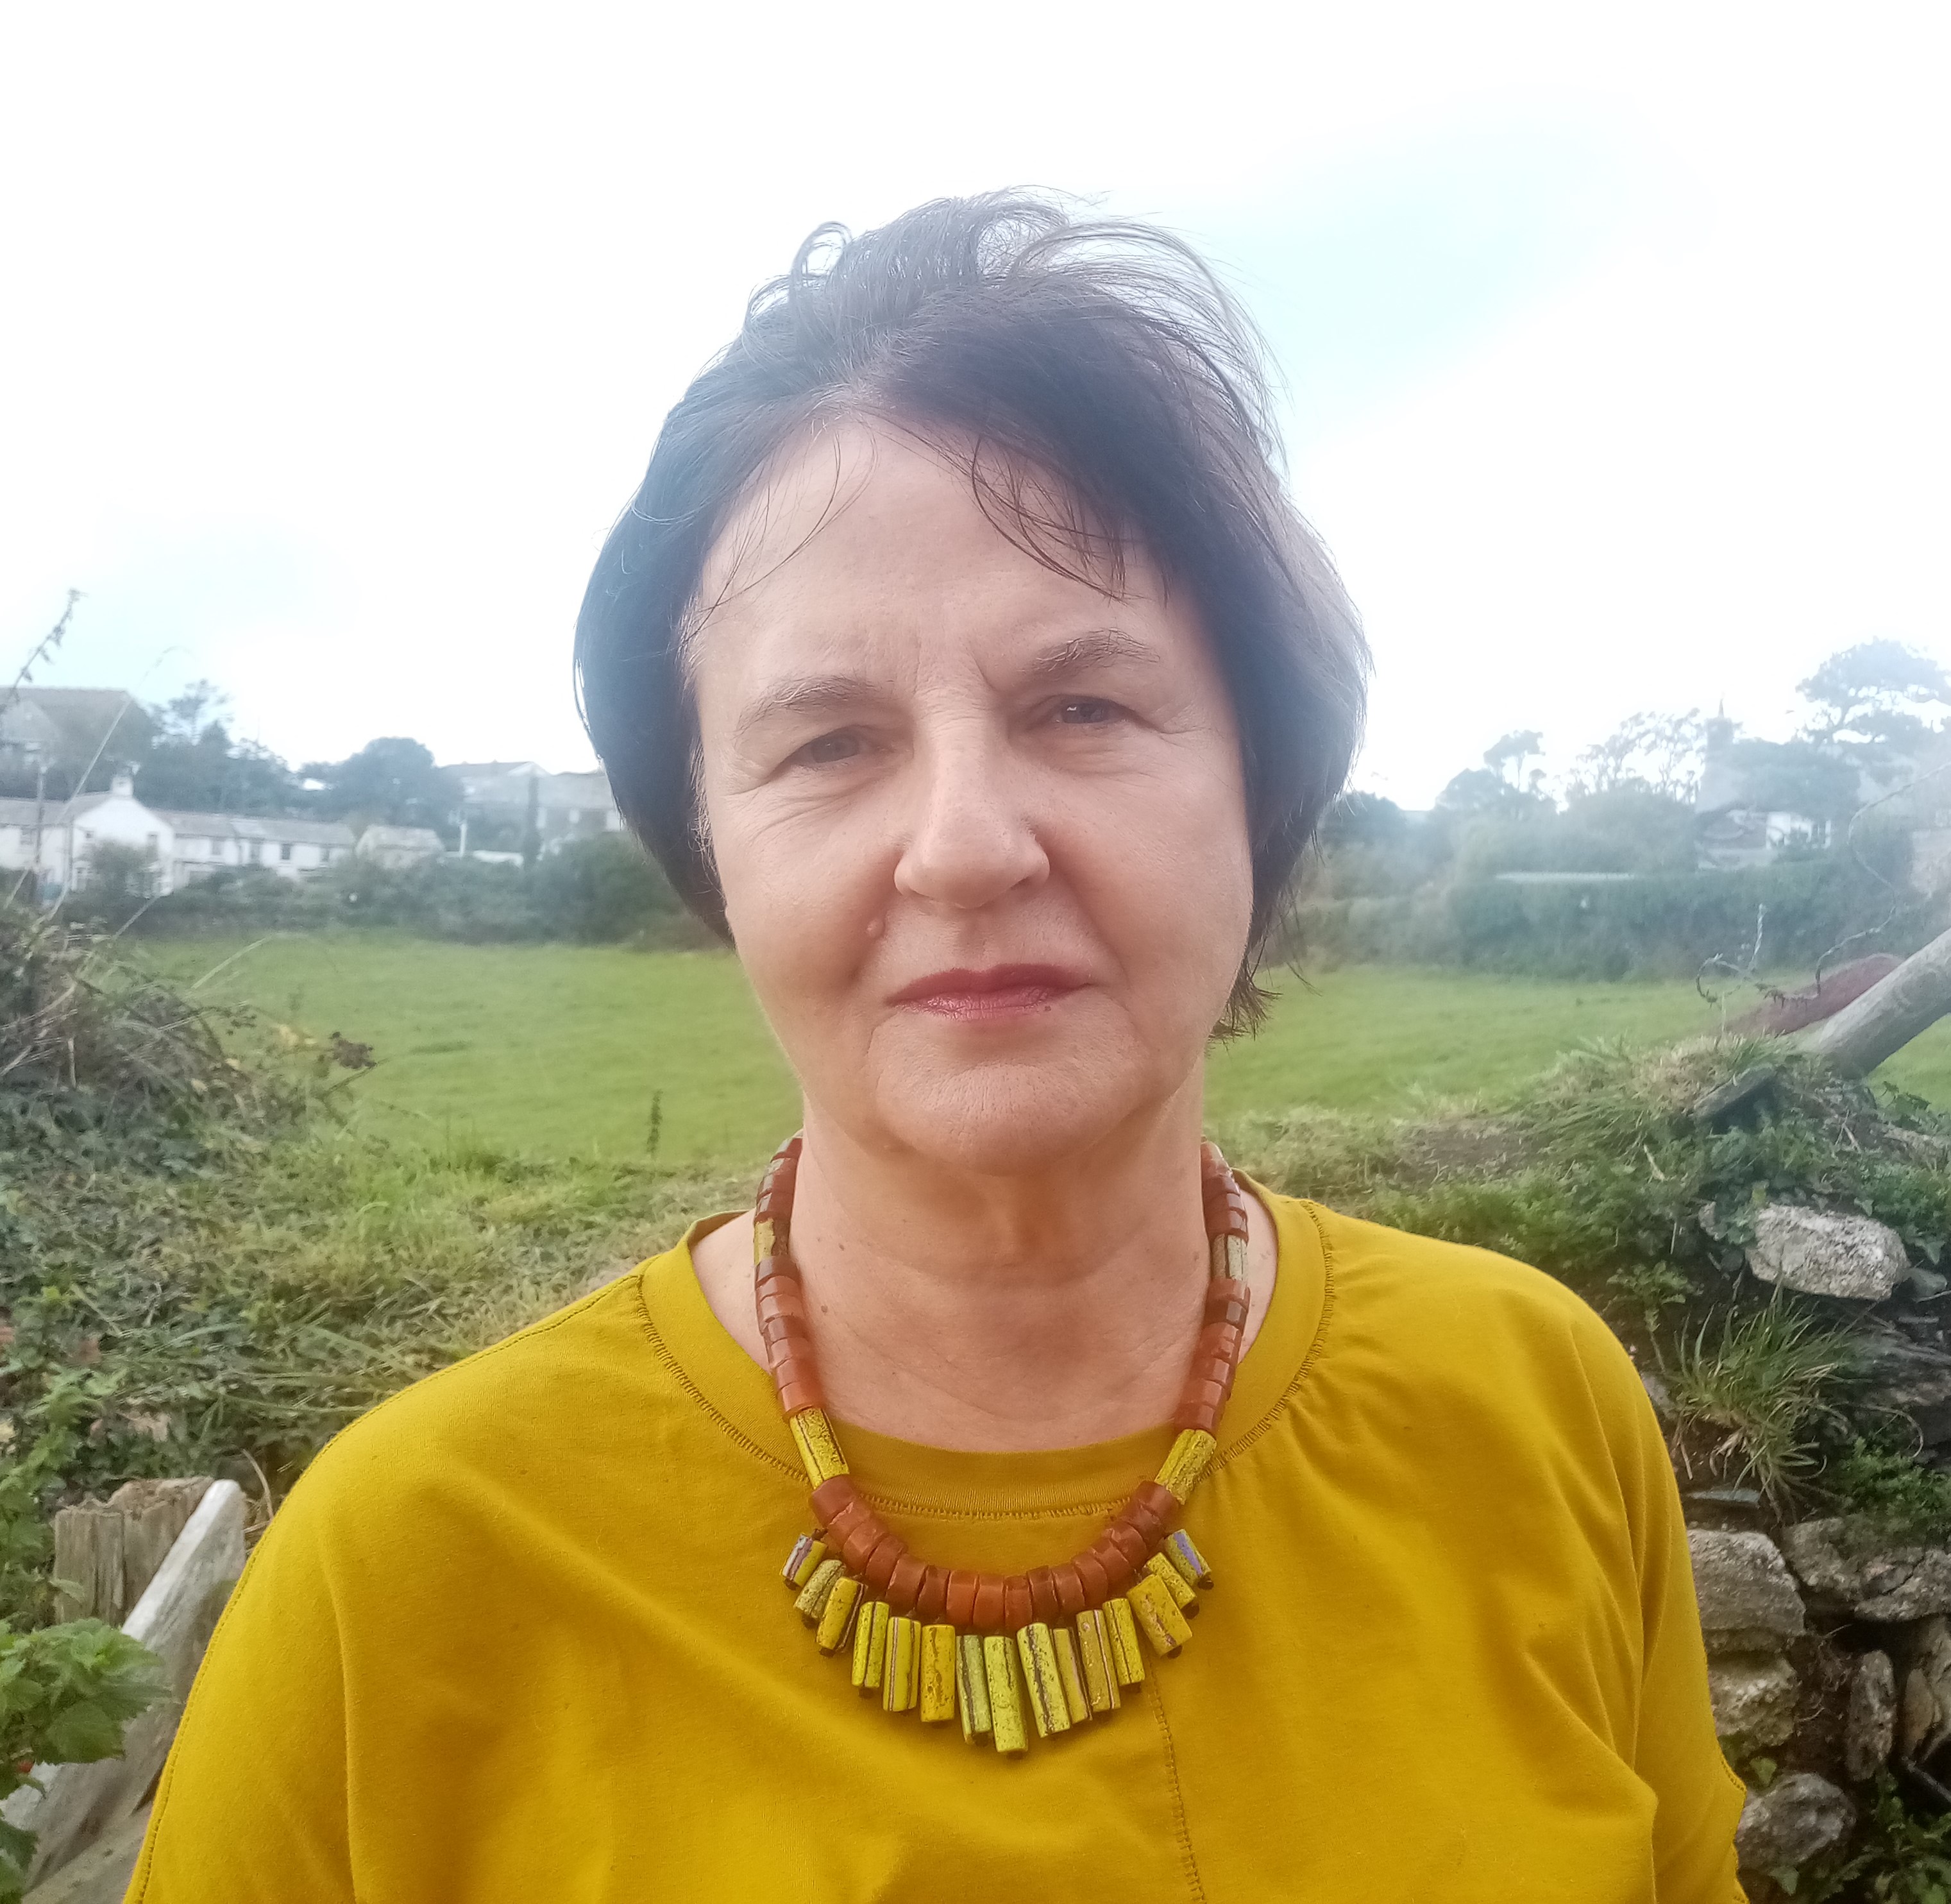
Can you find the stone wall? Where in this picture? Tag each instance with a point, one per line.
(1829, 1659)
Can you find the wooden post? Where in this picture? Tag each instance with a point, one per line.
(174, 1619)
(1891, 1013)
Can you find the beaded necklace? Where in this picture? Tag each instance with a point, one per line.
(1059, 1644)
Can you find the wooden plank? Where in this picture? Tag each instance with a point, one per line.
(174, 1619)
(100, 1874)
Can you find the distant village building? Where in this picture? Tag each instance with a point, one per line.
(56, 838)
(499, 797)
(66, 730)
(397, 847)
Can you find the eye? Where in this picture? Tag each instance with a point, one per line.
(1083, 712)
(828, 750)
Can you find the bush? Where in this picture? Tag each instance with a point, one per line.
(600, 890)
(1658, 925)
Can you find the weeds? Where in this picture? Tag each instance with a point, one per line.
(1758, 1394)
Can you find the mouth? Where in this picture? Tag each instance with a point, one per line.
(997, 993)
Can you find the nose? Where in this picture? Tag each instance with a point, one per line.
(973, 840)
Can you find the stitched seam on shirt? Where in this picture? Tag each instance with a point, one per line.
(1315, 1350)
(675, 1369)
(1156, 1700)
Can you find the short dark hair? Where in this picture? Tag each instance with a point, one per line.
(1103, 356)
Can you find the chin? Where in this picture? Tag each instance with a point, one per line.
(1004, 1120)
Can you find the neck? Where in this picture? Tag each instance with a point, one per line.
(1045, 1309)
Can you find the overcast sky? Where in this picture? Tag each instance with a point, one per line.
(333, 339)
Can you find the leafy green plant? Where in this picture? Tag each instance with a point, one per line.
(1896, 1858)
(65, 1692)
(1898, 1501)
(1757, 1390)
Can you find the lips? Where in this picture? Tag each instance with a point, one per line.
(995, 993)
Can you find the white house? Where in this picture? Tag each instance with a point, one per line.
(58, 836)
(400, 846)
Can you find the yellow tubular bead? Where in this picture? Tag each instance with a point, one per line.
(812, 1601)
(1094, 1651)
(1005, 1711)
(819, 1451)
(900, 1680)
(836, 1618)
(1075, 1700)
(762, 1240)
(1120, 1628)
(971, 1687)
(1043, 1684)
(1159, 1618)
(870, 1648)
(1180, 1550)
(1185, 1467)
(807, 1553)
(1183, 1597)
(1236, 1257)
(938, 1674)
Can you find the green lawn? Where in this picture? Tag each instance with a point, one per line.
(561, 1048)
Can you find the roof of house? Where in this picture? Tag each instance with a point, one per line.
(421, 838)
(71, 722)
(252, 826)
(53, 813)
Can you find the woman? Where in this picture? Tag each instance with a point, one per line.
(960, 658)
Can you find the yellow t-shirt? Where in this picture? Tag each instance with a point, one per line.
(520, 1636)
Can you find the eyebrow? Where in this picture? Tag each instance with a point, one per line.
(837, 693)
(1098, 648)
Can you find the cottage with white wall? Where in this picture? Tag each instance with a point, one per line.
(57, 837)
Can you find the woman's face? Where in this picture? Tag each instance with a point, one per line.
(980, 827)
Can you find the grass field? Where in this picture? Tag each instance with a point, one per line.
(561, 1049)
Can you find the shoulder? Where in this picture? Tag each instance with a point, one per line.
(1462, 1321)
(527, 1405)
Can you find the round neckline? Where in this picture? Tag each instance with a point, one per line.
(916, 1479)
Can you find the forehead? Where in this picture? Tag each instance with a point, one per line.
(864, 538)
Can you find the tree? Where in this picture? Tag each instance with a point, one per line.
(188, 761)
(1652, 753)
(1506, 757)
(392, 782)
(1484, 790)
(1874, 697)
(1803, 776)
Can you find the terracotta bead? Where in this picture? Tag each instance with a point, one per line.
(1018, 1607)
(1091, 1573)
(847, 1522)
(1129, 1542)
(1203, 1415)
(904, 1582)
(780, 1297)
(1043, 1596)
(987, 1615)
(783, 1336)
(1150, 1525)
(881, 1564)
(829, 1497)
(795, 1396)
(1203, 1394)
(1120, 1570)
(776, 1269)
(932, 1596)
(1161, 1500)
(959, 1610)
(857, 1547)
(1070, 1595)
(1226, 1303)
(1219, 1339)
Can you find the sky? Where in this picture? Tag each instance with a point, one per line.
(332, 341)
